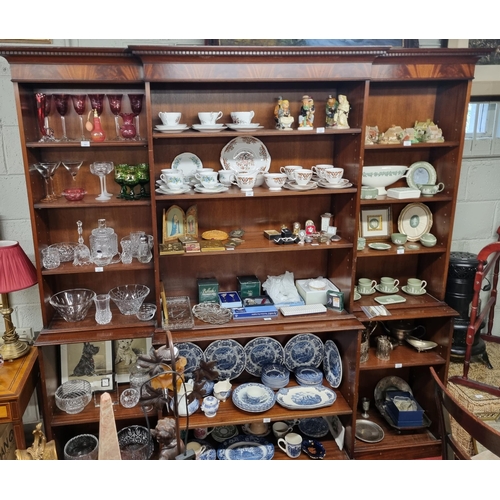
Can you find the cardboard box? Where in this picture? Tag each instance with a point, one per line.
(248, 286)
(311, 294)
(255, 312)
(7, 442)
(208, 290)
(230, 299)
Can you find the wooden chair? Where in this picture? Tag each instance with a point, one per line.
(447, 407)
(489, 259)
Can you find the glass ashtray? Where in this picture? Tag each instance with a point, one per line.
(129, 397)
(146, 312)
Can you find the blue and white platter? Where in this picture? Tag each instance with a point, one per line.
(230, 358)
(245, 448)
(314, 427)
(193, 355)
(305, 397)
(242, 400)
(304, 350)
(332, 364)
(262, 351)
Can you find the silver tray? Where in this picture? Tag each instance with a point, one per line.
(368, 431)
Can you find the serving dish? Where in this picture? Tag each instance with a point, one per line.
(262, 351)
(382, 176)
(332, 364)
(379, 246)
(187, 163)
(421, 345)
(304, 350)
(306, 397)
(245, 154)
(245, 448)
(415, 220)
(420, 172)
(230, 358)
(390, 299)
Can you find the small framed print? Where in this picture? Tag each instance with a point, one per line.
(174, 223)
(376, 223)
(125, 354)
(192, 222)
(92, 361)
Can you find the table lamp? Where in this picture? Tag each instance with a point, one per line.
(16, 273)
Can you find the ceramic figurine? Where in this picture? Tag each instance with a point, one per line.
(342, 113)
(306, 118)
(393, 135)
(331, 108)
(282, 114)
(371, 135)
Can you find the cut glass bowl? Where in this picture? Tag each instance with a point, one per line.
(74, 304)
(129, 298)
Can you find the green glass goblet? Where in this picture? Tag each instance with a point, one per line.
(143, 179)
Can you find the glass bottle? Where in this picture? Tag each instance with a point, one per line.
(97, 133)
(144, 251)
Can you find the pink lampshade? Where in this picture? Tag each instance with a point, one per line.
(16, 270)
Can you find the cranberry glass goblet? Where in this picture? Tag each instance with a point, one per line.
(115, 106)
(97, 102)
(61, 101)
(80, 103)
(136, 107)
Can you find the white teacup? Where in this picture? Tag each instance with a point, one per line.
(245, 181)
(209, 117)
(173, 179)
(197, 448)
(333, 175)
(302, 176)
(415, 285)
(242, 117)
(169, 118)
(289, 170)
(291, 444)
(275, 181)
(209, 180)
(430, 189)
(281, 429)
(319, 170)
(226, 177)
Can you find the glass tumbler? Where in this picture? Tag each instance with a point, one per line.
(135, 237)
(103, 312)
(51, 258)
(126, 244)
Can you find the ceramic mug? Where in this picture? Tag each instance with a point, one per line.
(388, 284)
(197, 448)
(203, 432)
(291, 444)
(430, 189)
(169, 118)
(415, 285)
(333, 175)
(209, 118)
(289, 169)
(281, 429)
(302, 176)
(366, 285)
(242, 117)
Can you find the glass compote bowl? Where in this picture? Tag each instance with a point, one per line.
(136, 107)
(47, 171)
(115, 105)
(80, 103)
(72, 167)
(102, 169)
(143, 178)
(61, 101)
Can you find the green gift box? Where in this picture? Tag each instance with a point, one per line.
(208, 290)
(248, 286)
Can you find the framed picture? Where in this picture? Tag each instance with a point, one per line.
(192, 222)
(92, 361)
(125, 354)
(174, 223)
(376, 223)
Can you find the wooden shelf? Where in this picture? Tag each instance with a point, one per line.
(402, 357)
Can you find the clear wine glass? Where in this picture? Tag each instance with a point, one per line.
(80, 103)
(61, 101)
(47, 170)
(72, 167)
(101, 169)
(115, 105)
(97, 102)
(136, 107)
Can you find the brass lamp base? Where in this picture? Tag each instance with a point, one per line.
(13, 350)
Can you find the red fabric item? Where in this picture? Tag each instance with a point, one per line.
(17, 272)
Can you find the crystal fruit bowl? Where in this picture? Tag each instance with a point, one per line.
(129, 298)
(73, 396)
(74, 304)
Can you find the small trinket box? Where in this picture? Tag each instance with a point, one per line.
(230, 299)
(248, 286)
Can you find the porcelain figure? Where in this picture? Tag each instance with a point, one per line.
(331, 108)
(306, 118)
(282, 115)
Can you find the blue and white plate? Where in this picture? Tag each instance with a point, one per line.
(210, 453)
(304, 350)
(305, 398)
(230, 358)
(242, 400)
(314, 427)
(245, 448)
(193, 354)
(332, 364)
(262, 351)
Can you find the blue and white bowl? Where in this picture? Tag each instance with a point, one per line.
(275, 376)
(308, 375)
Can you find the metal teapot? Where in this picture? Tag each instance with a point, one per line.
(401, 329)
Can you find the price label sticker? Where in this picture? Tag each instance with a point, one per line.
(406, 143)
(320, 130)
(400, 250)
(229, 248)
(99, 269)
(85, 144)
(266, 420)
(398, 365)
(249, 193)
(267, 319)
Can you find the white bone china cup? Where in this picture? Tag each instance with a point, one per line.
(209, 117)
(242, 117)
(169, 118)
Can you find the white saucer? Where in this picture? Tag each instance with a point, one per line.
(221, 189)
(243, 127)
(391, 291)
(367, 293)
(185, 189)
(294, 186)
(209, 128)
(217, 187)
(340, 185)
(405, 290)
(171, 129)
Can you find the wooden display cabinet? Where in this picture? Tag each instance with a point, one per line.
(383, 86)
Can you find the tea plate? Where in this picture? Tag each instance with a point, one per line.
(304, 350)
(394, 289)
(230, 358)
(241, 399)
(305, 397)
(262, 351)
(332, 364)
(405, 290)
(390, 299)
(368, 431)
(357, 295)
(162, 190)
(244, 127)
(245, 448)
(344, 183)
(193, 355)
(179, 126)
(314, 427)
(220, 189)
(379, 246)
(244, 154)
(295, 187)
(187, 163)
(209, 128)
(224, 432)
(415, 220)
